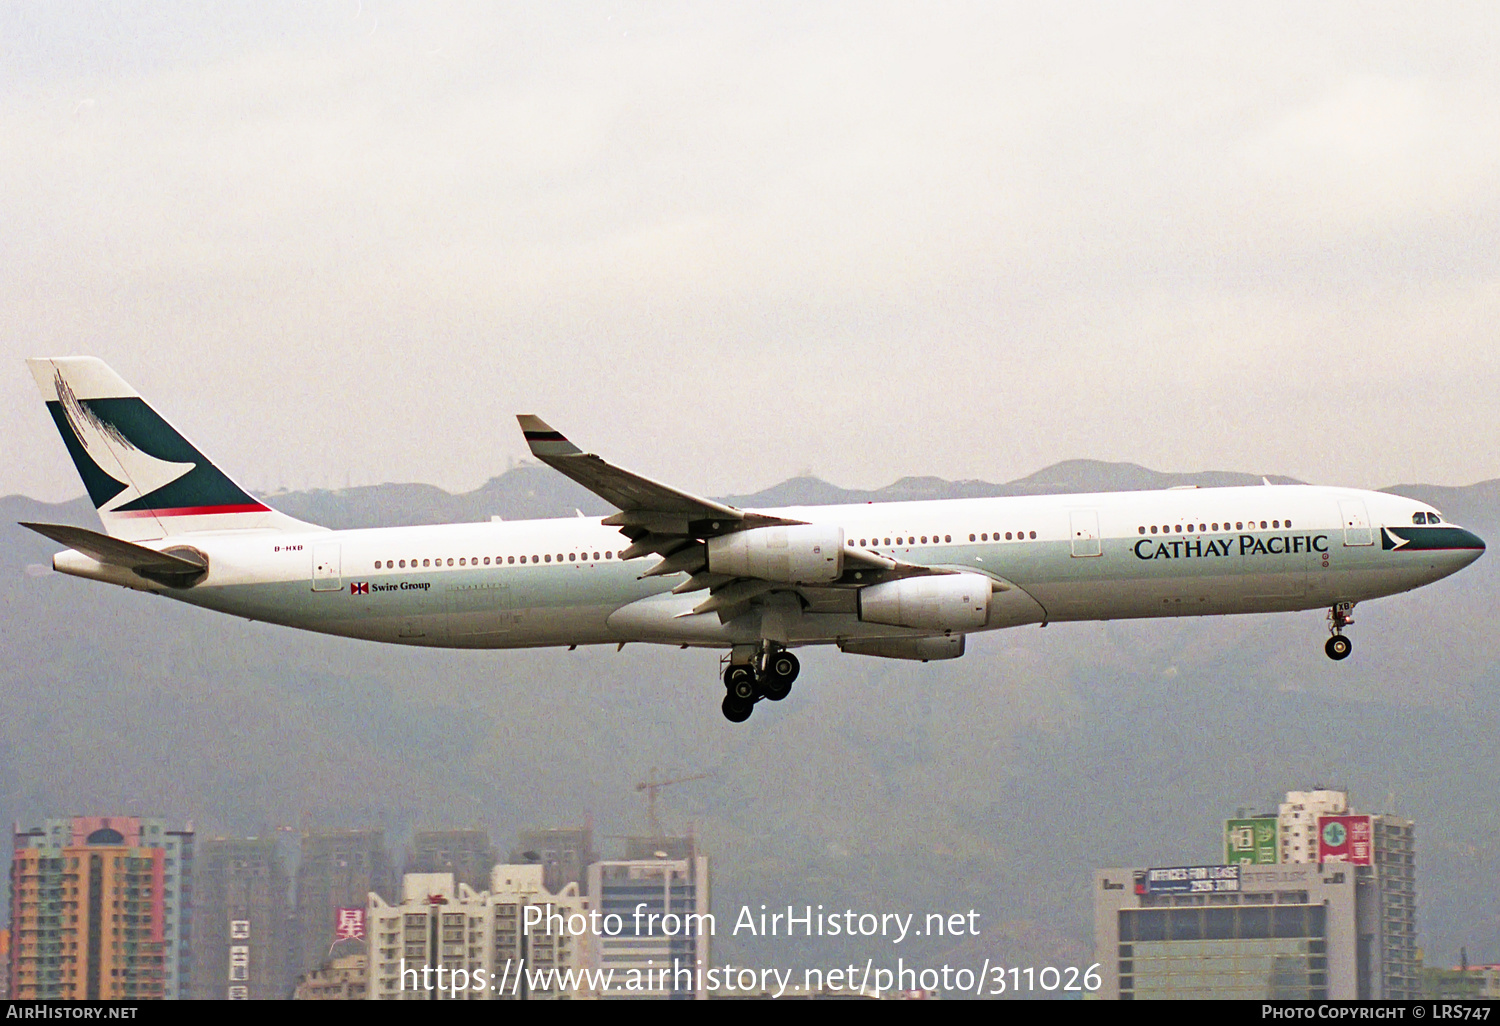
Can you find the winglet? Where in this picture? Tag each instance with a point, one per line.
(543, 439)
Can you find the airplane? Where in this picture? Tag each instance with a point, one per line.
(898, 580)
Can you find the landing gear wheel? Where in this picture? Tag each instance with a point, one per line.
(740, 680)
(781, 669)
(1338, 647)
(737, 710)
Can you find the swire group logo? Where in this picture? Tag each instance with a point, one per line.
(359, 588)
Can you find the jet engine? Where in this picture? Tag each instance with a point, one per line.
(951, 602)
(801, 554)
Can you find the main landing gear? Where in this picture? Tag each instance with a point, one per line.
(1339, 617)
(769, 675)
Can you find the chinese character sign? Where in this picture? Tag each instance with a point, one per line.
(350, 924)
(1348, 839)
(1251, 842)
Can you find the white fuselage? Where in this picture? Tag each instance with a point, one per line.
(1180, 552)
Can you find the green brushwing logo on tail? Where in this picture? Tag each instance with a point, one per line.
(134, 463)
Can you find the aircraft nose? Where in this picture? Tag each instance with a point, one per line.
(1471, 546)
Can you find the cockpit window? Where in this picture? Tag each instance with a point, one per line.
(1419, 517)
(1433, 518)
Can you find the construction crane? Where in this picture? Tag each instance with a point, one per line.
(651, 785)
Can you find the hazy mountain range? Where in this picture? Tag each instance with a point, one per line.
(997, 782)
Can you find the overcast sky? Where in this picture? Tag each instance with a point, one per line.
(723, 245)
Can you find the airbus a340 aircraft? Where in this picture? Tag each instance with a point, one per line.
(902, 580)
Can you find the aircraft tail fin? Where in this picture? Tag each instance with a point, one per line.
(146, 480)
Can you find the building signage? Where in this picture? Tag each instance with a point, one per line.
(350, 924)
(1348, 839)
(1252, 842)
(1188, 880)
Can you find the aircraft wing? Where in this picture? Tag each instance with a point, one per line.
(656, 517)
(675, 524)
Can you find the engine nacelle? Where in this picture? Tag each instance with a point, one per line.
(951, 602)
(924, 649)
(801, 554)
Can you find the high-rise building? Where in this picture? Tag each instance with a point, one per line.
(241, 925)
(437, 925)
(1316, 902)
(565, 855)
(540, 929)
(1235, 932)
(101, 909)
(468, 854)
(446, 942)
(336, 869)
(662, 949)
(1319, 827)
(1298, 816)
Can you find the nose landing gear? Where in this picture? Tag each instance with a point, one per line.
(1339, 617)
(770, 676)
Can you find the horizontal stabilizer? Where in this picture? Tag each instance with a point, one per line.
(178, 570)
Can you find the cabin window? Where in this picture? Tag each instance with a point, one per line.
(450, 560)
(971, 538)
(947, 538)
(609, 555)
(1033, 534)
(572, 557)
(548, 557)
(1238, 526)
(460, 562)
(1262, 525)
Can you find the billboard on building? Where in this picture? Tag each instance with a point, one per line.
(1188, 880)
(1252, 842)
(1346, 839)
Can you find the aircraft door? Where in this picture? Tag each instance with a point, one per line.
(326, 574)
(1085, 524)
(1356, 522)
